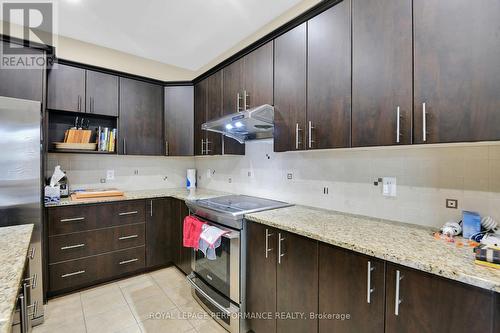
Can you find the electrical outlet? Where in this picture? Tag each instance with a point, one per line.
(452, 203)
(249, 173)
(289, 175)
(103, 180)
(389, 186)
(325, 190)
(229, 180)
(136, 171)
(110, 174)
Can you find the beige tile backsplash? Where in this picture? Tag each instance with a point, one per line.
(426, 176)
(86, 171)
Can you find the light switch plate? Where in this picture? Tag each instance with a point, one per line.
(389, 186)
(110, 174)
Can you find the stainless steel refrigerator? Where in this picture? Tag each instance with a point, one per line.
(21, 184)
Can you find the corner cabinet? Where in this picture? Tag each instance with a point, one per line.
(141, 118)
(457, 76)
(179, 119)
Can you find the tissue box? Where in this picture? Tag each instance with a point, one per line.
(52, 194)
(471, 223)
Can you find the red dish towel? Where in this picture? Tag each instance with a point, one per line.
(191, 232)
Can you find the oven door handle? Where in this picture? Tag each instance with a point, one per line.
(210, 299)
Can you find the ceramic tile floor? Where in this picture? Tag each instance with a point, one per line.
(158, 301)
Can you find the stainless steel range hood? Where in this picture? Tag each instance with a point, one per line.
(251, 124)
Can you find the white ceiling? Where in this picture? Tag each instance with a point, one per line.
(183, 33)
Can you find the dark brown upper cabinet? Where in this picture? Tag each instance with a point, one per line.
(258, 75)
(207, 106)
(351, 283)
(141, 118)
(457, 77)
(200, 116)
(421, 302)
(159, 224)
(290, 70)
(66, 88)
(179, 117)
(22, 83)
(101, 94)
(329, 78)
(381, 72)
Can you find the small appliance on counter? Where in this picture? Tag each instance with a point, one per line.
(64, 186)
(191, 179)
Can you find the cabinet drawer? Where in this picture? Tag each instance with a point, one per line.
(125, 212)
(82, 244)
(121, 262)
(72, 274)
(63, 220)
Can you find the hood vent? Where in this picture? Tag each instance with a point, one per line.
(251, 124)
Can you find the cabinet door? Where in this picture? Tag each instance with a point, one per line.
(66, 88)
(428, 303)
(22, 83)
(200, 116)
(290, 89)
(261, 276)
(258, 74)
(232, 101)
(382, 72)
(457, 47)
(102, 94)
(186, 253)
(345, 279)
(179, 113)
(141, 118)
(159, 232)
(213, 144)
(329, 78)
(297, 282)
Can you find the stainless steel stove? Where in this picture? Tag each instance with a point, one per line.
(219, 285)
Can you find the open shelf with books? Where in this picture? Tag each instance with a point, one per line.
(71, 132)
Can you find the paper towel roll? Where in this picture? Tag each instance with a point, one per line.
(191, 179)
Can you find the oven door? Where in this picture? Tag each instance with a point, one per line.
(223, 273)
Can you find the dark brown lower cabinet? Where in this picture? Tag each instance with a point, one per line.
(181, 255)
(288, 289)
(159, 220)
(420, 302)
(261, 276)
(353, 285)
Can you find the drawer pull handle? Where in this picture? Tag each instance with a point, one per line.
(128, 237)
(72, 274)
(128, 261)
(69, 247)
(128, 213)
(75, 219)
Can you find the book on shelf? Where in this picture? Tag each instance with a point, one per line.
(106, 139)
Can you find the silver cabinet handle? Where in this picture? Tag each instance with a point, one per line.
(23, 314)
(202, 143)
(33, 306)
(32, 253)
(398, 124)
(245, 100)
(128, 237)
(279, 247)
(128, 261)
(424, 123)
(74, 219)
(33, 281)
(206, 147)
(310, 128)
(238, 99)
(399, 277)
(297, 130)
(128, 213)
(151, 207)
(369, 289)
(268, 234)
(166, 148)
(72, 274)
(90, 106)
(124, 147)
(79, 104)
(69, 247)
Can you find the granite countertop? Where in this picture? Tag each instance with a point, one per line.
(406, 244)
(14, 244)
(178, 193)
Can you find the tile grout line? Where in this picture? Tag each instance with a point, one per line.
(130, 309)
(83, 312)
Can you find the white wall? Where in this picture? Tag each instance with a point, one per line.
(86, 171)
(426, 176)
